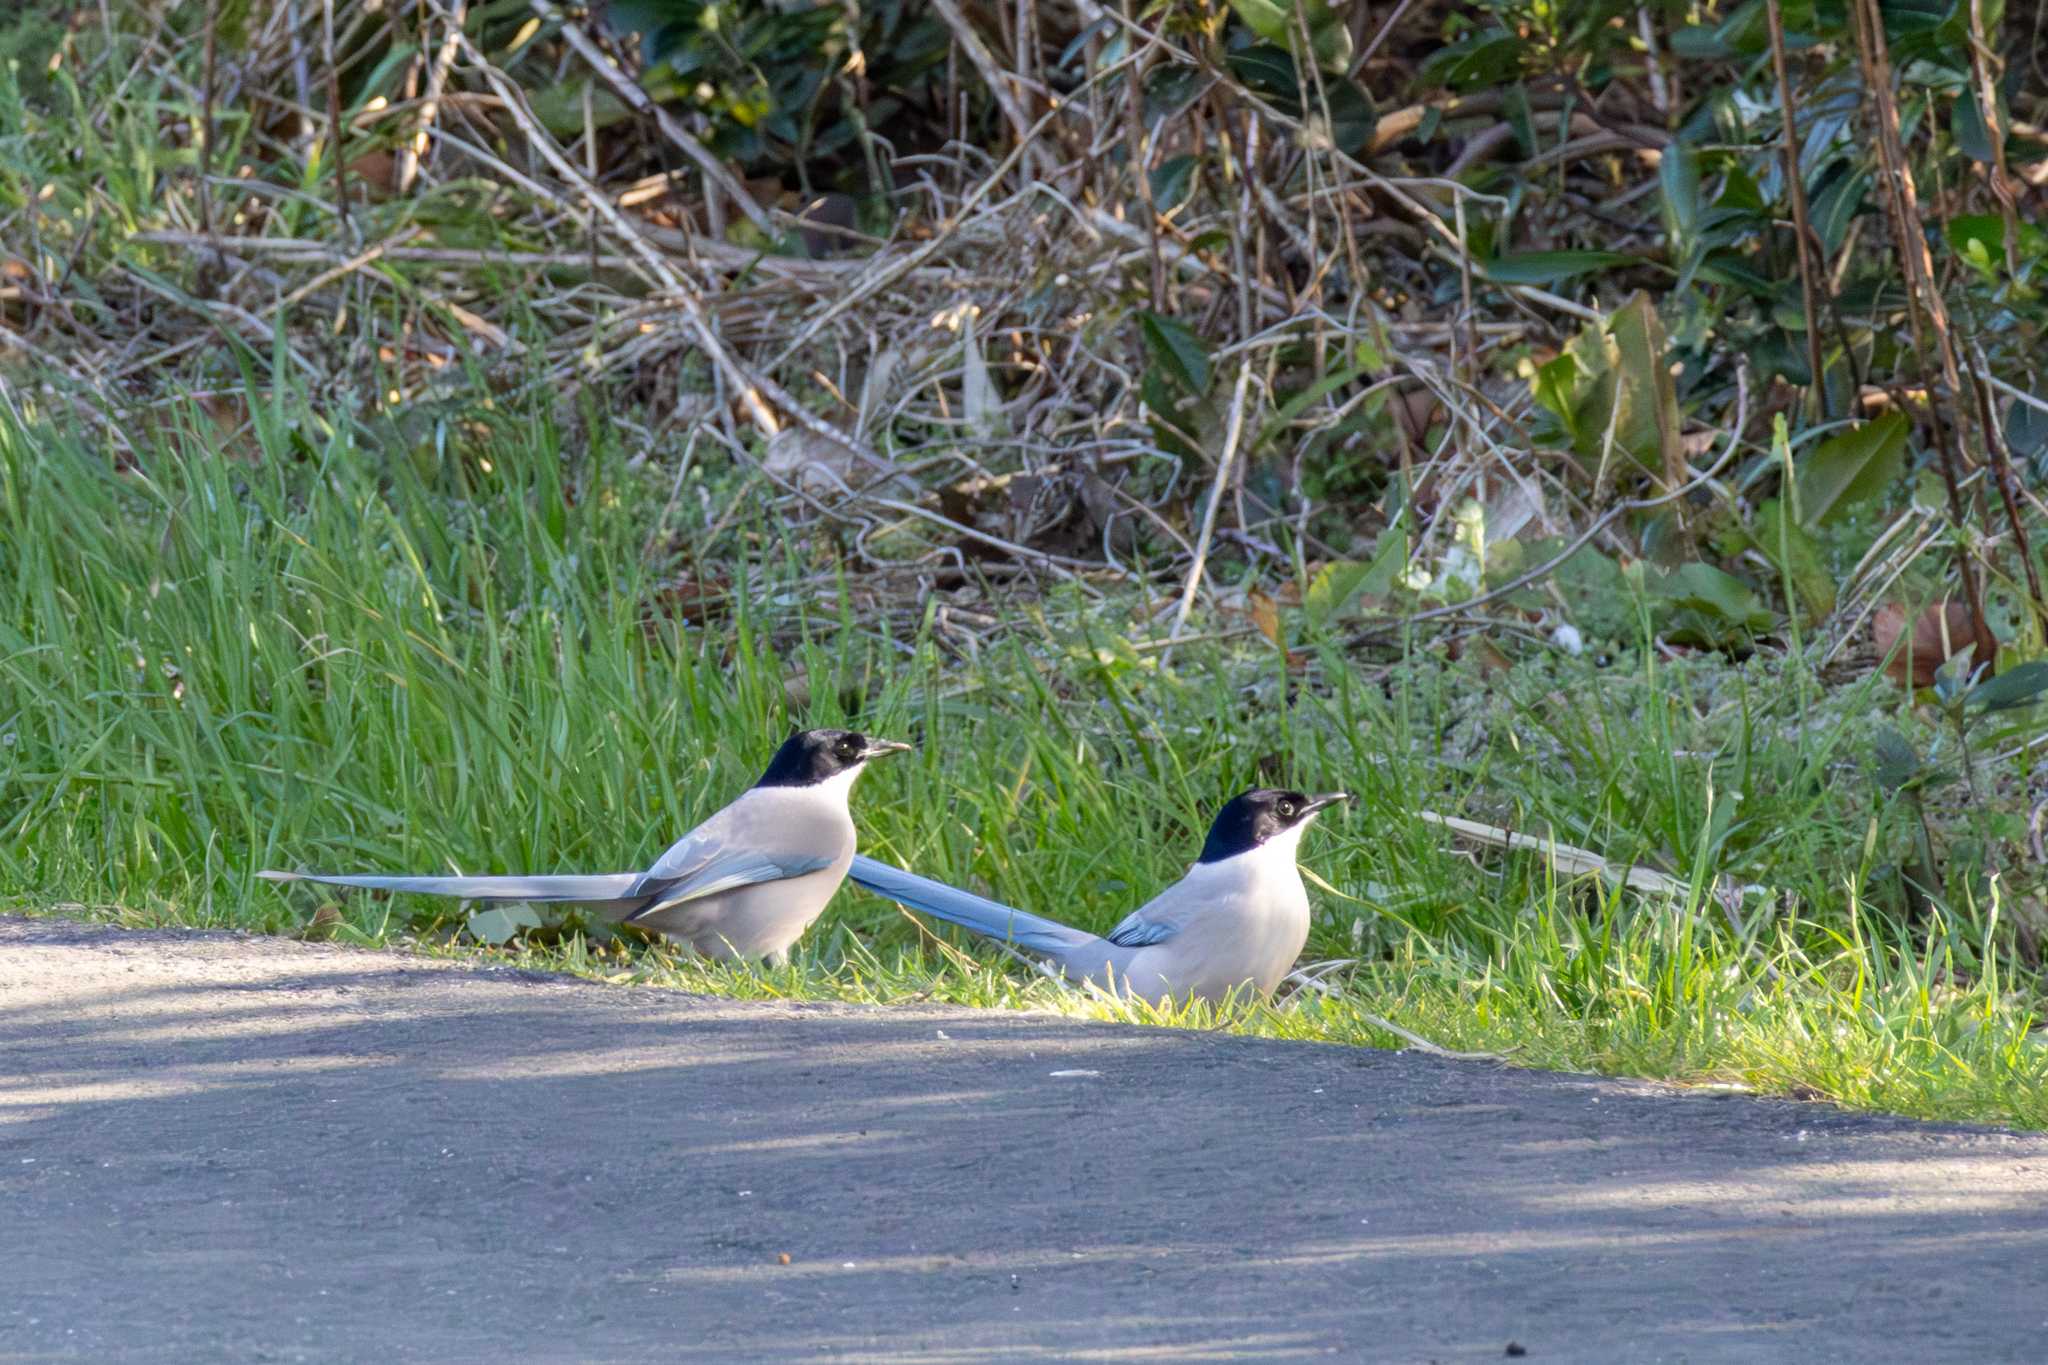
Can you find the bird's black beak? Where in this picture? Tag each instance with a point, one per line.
(877, 747)
(1325, 800)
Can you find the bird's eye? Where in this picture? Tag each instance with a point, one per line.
(1286, 810)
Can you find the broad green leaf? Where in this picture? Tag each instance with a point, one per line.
(1337, 584)
(1679, 175)
(1172, 181)
(1490, 57)
(1332, 589)
(562, 109)
(1354, 118)
(2019, 686)
(1178, 421)
(1645, 389)
(1745, 30)
(1615, 376)
(1725, 267)
(1851, 467)
(1597, 593)
(1177, 351)
(1979, 238)
(1515, 104)
(1270, 19)
(1966, 121)
(1722, 596)
(1836, 206)
(1699, 43)
(1739, 191)
(1796, 555)
(1276, 22)
(1552, 267)
(1269, 71)
(2026, 432)
(1898, 763)
(1555, 388)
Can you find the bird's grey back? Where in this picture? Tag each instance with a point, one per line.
(807, 830)
(1221, 927)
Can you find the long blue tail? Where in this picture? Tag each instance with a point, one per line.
(613, 889)
(986, 917)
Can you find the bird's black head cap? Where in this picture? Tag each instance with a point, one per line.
(812, 756)
(1250, 818)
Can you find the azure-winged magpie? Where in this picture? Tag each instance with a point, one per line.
(744, 884)
(1238, 918)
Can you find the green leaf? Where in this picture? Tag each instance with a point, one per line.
(1354, 118)
(1336, 584)
(1966, 121)
(1699, 43)
(1746, 29)
(1597, 594)
(1851, 467)
(1332, 589)
(1711, 606)
(1726, 267)
(1329, 37)
(1835, 207)
(1270, 20)
(562, 109)
(2019, 686)
(2026, 431)
(1722, 596)
(1898, 763)
(1177, 351)
(1555, 388)
(1739, 191)
(1172, 181)
(1979, 238)
(1274, 20)
(1644, 389)
(1491, 57)
(1796, 555)
(1679, 175)
(1552, 267)
(1177, 420)
(1269, 71)
(1515, 104)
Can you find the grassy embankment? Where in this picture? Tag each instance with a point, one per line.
(330, 656)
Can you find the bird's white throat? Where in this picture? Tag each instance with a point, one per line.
(1275, 858)
(830, 793)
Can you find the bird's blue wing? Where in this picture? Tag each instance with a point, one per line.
(1136, 931)
(992, 919)
(716, 873)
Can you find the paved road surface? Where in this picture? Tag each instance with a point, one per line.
(223, 1148)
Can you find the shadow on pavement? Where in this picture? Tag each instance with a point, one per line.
(224, 1148)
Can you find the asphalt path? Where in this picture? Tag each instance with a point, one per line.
(225, 1148)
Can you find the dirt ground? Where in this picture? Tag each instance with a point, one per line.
(218, 1147)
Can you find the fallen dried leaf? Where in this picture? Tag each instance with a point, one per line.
(1942, 631)
(1265, 614)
